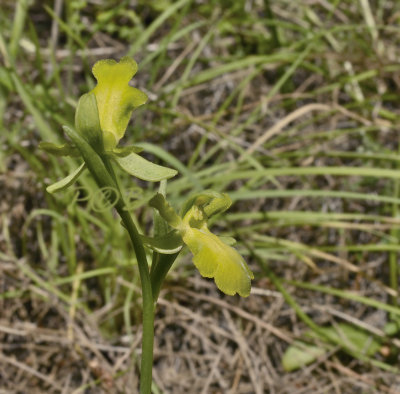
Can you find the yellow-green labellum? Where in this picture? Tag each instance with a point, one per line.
(115, 98)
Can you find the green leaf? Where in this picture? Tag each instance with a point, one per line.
(67, 181)
(124, 151)
(59, 150)
(171, 160)
(168, 244)
(166, 211)
(357, 340)
(299, 354)
(143, 169)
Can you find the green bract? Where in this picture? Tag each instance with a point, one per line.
(211, 256)
(115, 98)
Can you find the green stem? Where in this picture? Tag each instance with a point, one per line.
(148, 308)
(163, 265)
(103, 173)
(147, 292)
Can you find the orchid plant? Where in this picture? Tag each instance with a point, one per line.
(101, 119)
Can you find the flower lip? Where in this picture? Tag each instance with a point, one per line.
(215, 259)
(116, 99)
(212, 257)
(107, 68)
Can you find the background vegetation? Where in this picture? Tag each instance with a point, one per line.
(290, 106)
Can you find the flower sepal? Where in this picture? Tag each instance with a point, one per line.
(87, 122)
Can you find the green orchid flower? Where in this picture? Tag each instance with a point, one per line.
(213, 257)
(103, 114)
(115, 98)
(101, 118)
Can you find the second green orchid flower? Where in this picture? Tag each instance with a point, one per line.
(212, 255)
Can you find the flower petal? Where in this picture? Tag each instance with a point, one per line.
(214, 259)
(115, 98)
